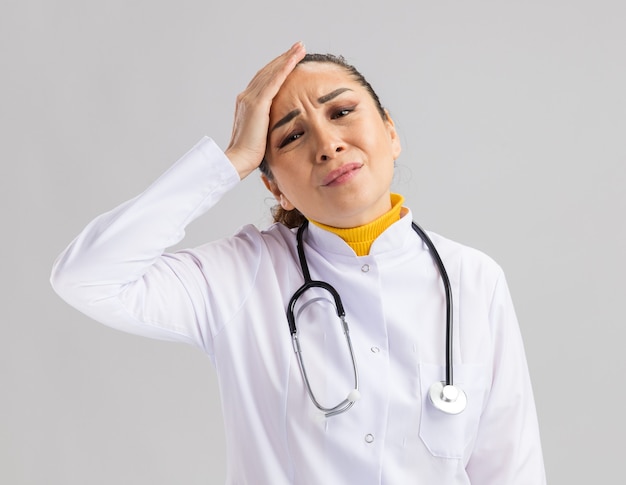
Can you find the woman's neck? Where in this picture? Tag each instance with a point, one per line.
(360, 238)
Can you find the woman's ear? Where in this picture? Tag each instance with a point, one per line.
(272, 186)
(396, 147)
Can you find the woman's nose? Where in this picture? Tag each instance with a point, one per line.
(329, 144)
(325, 158)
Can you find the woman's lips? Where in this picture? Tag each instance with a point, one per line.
(341, 174)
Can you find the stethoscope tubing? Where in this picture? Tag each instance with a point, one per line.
(309, 283)
(347, 403)
(439, 392)
(449, 310)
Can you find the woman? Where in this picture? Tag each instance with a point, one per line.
(326, 149)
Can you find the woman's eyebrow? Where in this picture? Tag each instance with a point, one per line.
(286, 119)
(331, 95)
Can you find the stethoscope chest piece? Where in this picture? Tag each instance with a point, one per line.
(447, 398)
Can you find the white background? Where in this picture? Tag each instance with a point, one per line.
(513, 120)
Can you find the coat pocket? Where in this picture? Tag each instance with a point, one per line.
(450, 435)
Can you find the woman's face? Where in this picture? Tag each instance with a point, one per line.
(330, 151)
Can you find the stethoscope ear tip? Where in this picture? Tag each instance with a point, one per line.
(447, 398)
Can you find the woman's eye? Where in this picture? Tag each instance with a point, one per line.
(340, 113)
(287, 140)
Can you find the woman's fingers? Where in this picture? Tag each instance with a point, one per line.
(270, 78)
(247, 145)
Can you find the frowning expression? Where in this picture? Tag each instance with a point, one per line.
(330, 151)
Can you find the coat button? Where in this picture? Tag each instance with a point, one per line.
(375, 350)
(369, 438)
(365, 268)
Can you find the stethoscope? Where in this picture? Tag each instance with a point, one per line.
(444, 395)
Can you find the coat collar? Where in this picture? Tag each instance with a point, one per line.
(393, 239)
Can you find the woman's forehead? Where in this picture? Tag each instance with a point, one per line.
(313, 80)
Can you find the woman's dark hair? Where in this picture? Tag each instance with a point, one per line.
(294, 218)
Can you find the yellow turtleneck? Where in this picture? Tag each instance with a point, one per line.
(360, 238)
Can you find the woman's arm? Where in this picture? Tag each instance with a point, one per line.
(116, 270)
(123, 249)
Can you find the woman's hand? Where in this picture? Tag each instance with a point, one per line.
(252, 112)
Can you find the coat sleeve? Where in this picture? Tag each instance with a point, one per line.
(116, 270)
(508, 448)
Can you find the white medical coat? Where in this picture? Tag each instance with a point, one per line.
(228, 297)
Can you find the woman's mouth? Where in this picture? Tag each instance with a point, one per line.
(342, 174)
